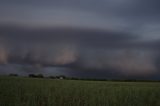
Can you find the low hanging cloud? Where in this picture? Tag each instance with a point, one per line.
(66, 55)
(3, 56)
(135, 63)
(79, 49)
(129, 62)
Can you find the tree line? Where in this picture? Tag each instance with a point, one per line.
(85, 79)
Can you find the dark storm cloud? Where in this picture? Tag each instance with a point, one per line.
(31, 42)
(90, 37)
(87, 37)
(83, 49)
(91, 13)
(103, 7)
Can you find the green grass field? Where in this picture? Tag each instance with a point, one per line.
(47, 92)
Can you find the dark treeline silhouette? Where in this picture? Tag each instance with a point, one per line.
(13, 75)
(36, 76)
(58, 77)
(83, 79)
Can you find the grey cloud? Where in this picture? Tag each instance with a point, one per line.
(110, 37)
(88, 37)
(122, 10)
(84, 49)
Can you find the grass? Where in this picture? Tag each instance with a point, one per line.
(46, 92)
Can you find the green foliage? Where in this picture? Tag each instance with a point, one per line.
(17, 91)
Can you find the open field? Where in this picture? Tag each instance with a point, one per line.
(47, 92)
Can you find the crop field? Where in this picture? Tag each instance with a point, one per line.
(48, 92)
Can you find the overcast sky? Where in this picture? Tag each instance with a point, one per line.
(84, 38)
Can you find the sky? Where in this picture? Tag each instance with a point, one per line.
(83, 38)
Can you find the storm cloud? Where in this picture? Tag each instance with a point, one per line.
(109, 38)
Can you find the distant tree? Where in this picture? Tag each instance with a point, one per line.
(13, 75)
(40, 76)
(32, 76)
(52, 77)
(36, 76)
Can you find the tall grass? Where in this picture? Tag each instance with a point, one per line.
(45, 92)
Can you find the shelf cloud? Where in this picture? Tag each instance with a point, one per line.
(105, 38)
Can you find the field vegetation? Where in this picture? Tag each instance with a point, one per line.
(18, 91)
